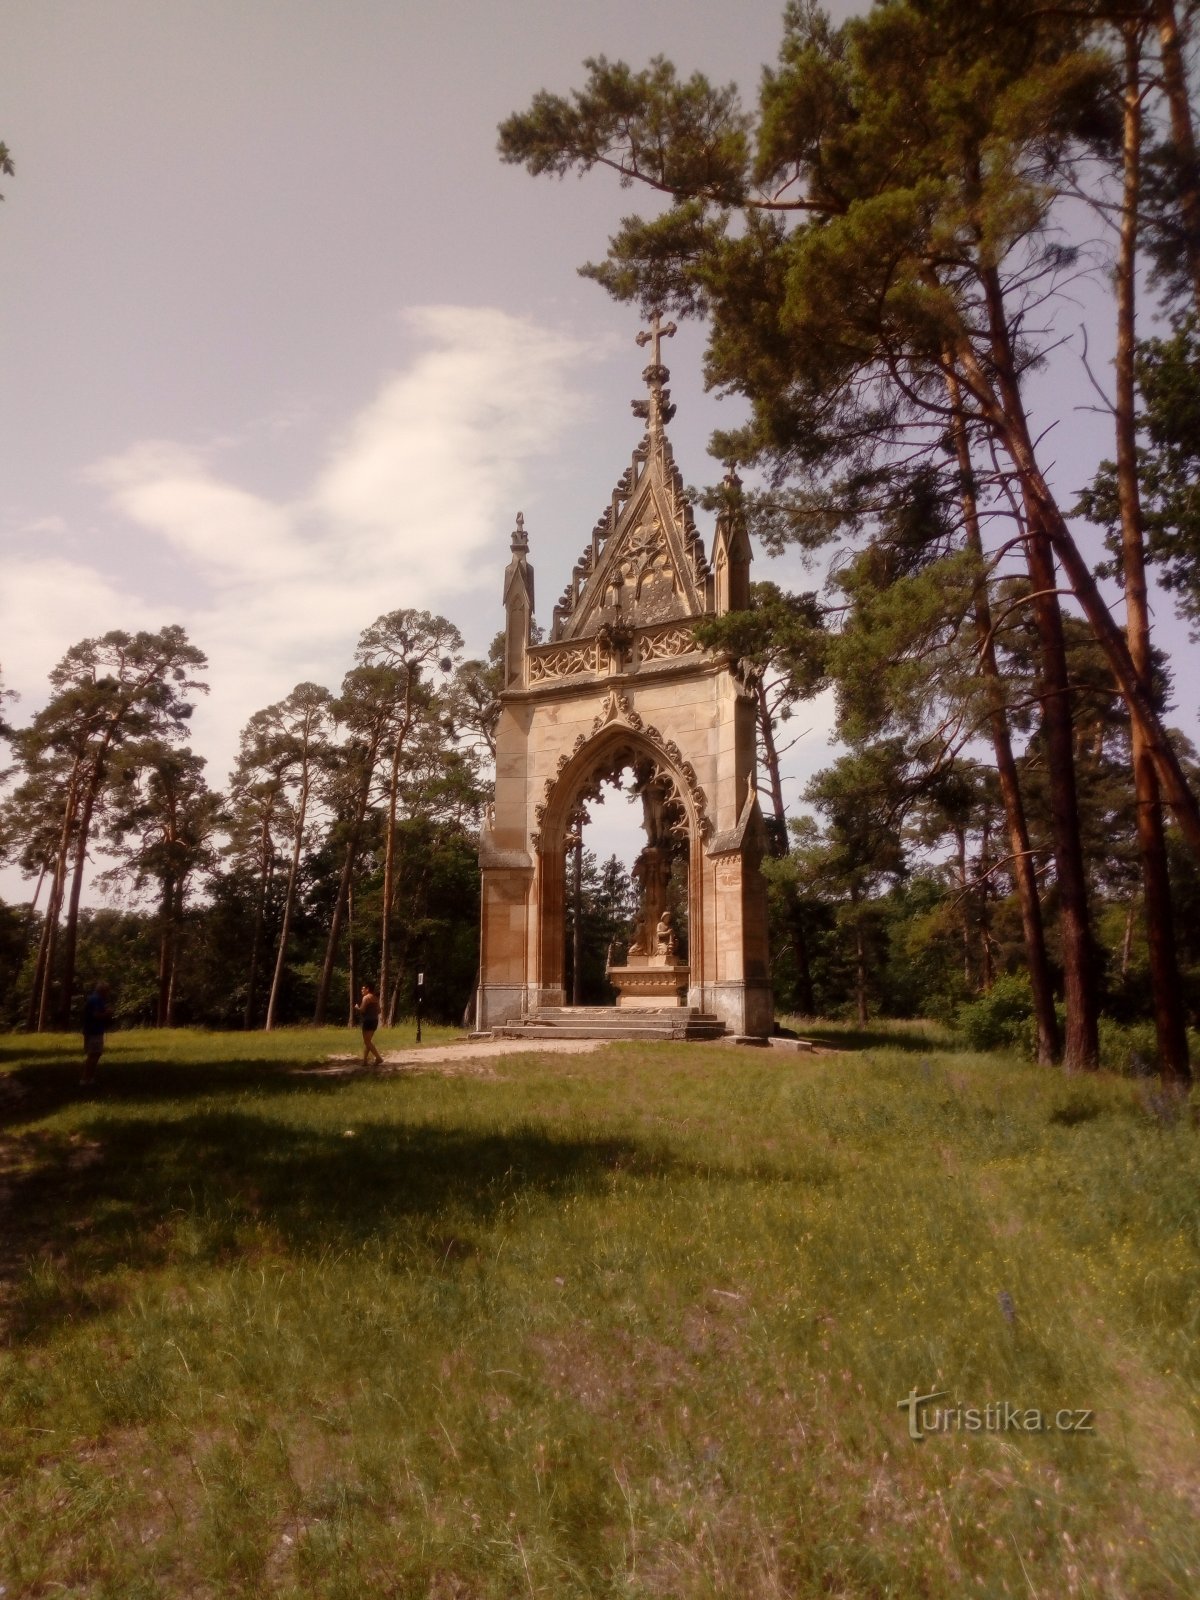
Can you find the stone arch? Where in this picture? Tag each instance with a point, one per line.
(612, 748)
(617, 724)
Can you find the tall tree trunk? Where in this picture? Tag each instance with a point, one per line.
(266, 871)
(960, 844)
(860, 959)
(30, 919)
(176, 939)
(32, 1010)
(351, 956)
(805, 996)
(1024, 876)
(1170, 1020)
(1005, 416)
(1173, 782)
(1082, 1042)
(1082, 1045)
(779, 833)
(335, 926)
(987, 975)
(71, 932)
(31, 913)
(389, 879)
(289, 898)
(400, 947)
(404, 945)
(166, 962)
(389, 849)
(1175, 86)
(43, 992)
(393, 1003)
(339, 905)
(35, 1017)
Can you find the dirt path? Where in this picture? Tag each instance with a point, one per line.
(471, 1057)
(465, 1056)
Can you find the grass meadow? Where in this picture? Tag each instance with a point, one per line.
(635, 1323)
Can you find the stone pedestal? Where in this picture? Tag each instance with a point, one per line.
(649, 984)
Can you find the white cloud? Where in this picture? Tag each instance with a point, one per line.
(44, 527)
(412, 490)
(47, 603)
(230, 534)
(427, 467)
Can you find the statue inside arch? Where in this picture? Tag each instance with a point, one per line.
(654, 974)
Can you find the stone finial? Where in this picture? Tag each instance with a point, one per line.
(518, 605)
(657, 409)
(731, 549)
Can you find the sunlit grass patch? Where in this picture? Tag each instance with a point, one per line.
(631, 1323)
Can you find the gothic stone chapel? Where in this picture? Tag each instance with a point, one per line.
(623, 688)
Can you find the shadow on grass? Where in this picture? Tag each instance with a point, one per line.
(837, 1038)
(116, 1198)
(38, 1089)
(18, 1047)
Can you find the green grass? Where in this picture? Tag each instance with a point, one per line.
(623, 1324)
(884, 1033)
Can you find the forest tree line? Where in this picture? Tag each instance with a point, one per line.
(263, 904)
(343, 848)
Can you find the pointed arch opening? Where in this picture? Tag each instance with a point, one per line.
(652, 964)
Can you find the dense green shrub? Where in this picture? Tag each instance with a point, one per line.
(1001, 1019)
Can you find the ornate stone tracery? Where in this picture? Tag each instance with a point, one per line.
(566, 661)
(665, 644)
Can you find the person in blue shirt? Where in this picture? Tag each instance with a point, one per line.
(97, 1014)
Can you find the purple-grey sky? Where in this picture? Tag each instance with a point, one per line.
(284, 345)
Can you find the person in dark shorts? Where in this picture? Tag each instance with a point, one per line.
(368, 1012)
(96, 1017)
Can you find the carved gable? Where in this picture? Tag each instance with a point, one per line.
(647, 570)
(645, 562)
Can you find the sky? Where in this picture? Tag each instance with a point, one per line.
(283, 345)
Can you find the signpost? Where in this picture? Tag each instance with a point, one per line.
(420, 998)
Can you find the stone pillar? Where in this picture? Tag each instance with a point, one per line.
(506, 865)
(738, 989)
(504, 917)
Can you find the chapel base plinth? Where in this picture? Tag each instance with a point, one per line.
(744, 1007)
(648, 985)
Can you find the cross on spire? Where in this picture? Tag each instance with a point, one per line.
(655, 334)
(658, 408)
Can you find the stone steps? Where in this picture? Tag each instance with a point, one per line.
(611, 1022)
